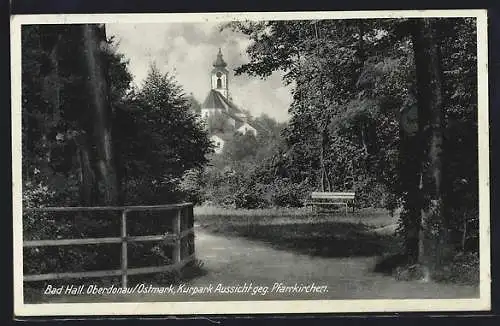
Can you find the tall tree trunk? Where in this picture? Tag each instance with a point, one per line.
(51, 85)
(430, 110)
(88, 183)
(410, 175)
(94, 40)
(325, 179)
(53, 79)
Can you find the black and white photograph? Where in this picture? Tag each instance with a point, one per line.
(240, 163)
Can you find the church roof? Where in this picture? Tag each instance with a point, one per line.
(215, 100)
(219, 62)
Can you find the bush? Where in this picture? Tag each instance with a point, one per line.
(239, 189)
(190, 186)
(288, 194)
(220, 187)
(410, 273)
(371, 193)
(251, 196)
(146, 191)
(37, 194)
(462, 269)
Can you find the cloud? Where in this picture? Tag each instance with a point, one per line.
(188, 50)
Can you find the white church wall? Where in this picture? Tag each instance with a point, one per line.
(247, 128)
(218, 143)
(207, 112)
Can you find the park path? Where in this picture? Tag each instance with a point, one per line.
(235, 260)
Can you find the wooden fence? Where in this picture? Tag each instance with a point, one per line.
(182, 227)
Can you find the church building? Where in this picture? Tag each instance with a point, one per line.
(222, 116)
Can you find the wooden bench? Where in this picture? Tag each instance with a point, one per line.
(319, 199)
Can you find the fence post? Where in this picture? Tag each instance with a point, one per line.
(177, 233)
(124, 260)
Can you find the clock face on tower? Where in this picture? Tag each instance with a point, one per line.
(218, 74)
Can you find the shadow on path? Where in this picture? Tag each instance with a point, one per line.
(236, 261)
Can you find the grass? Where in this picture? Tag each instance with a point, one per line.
(208, 214)
(326, 235)
(276, 212)
(365, 232)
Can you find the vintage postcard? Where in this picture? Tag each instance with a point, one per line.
(250, 163)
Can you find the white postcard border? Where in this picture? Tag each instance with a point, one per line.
(252, 307)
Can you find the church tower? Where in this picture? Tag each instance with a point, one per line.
(222, 117)
(219, 76)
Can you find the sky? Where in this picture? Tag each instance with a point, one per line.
(188, 50)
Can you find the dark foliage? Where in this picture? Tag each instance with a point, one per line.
(156, 137)
(351, 81)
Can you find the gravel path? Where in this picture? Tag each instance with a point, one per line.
(235, 261)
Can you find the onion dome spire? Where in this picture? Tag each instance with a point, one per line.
(219, 62)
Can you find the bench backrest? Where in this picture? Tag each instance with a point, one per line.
(333, 195)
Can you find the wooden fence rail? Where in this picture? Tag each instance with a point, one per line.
(182, 226)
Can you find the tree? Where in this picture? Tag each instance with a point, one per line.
(64, 67)
(194, 105)
(94, 41)
(69, 109)
(241, 147)
(79, 111)
(168, 138)
(269, 137)
(307, 52)
(431, 125)
(350, 81)
(72, 80)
